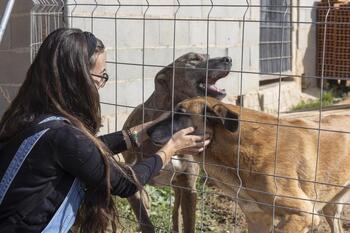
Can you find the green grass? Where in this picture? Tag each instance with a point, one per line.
(161, 208)
(328, 99)
(209, 217)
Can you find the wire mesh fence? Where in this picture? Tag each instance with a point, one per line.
(46, 16)
(274, 173)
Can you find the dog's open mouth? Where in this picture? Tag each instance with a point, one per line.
(210, 87)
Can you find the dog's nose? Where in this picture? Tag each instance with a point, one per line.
(227, 59)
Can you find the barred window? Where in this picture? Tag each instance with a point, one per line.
(275, 36)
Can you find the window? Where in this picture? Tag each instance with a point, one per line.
(275, 36)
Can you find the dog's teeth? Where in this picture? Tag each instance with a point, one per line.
(213, 87)
(216, 89)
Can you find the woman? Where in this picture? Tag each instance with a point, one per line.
(51, 159)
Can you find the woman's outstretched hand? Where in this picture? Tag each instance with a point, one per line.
(140, 131)
(183, 142)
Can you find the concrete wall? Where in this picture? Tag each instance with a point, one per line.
(305, 43)
(14, 51)
(125, 42)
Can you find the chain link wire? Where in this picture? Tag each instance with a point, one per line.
(41, 26)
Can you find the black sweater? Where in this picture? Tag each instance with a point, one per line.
(61, 155)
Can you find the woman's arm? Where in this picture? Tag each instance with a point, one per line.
(122, 140)
(117, 142)
(143, 170)
(78, 156)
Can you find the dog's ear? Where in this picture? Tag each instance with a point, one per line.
(219, 114)
(161, 80)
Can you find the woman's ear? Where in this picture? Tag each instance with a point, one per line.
(219, 114)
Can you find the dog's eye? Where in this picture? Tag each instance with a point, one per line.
(197, 59)
(180, 110)
(200, 57)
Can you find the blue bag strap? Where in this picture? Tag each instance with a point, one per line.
(17, 161)
(53, 118)
(65, 216)
(21, 154)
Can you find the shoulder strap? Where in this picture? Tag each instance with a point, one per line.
(28, 138)
(49, 122)
(64, 217)
(26, 206)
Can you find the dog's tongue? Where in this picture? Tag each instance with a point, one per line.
(212, 87)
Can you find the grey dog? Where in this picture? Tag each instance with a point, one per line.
(194, 75)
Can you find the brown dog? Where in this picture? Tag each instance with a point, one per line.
(188, 80)
(273, 168)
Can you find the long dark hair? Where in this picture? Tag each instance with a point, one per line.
(58, 82)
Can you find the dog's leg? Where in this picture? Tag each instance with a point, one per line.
(293, 223)
(185, 203)
(296, 214)
(258, 222)
(139, 205)
(333, 213)
(296, 223)
(185, 197)
(188, 210)
(188, 200)
(176, 210)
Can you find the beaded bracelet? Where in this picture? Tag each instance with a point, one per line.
(163, 153)
(165, 161)
(132, 137)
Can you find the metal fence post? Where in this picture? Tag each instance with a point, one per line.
(6, 17)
